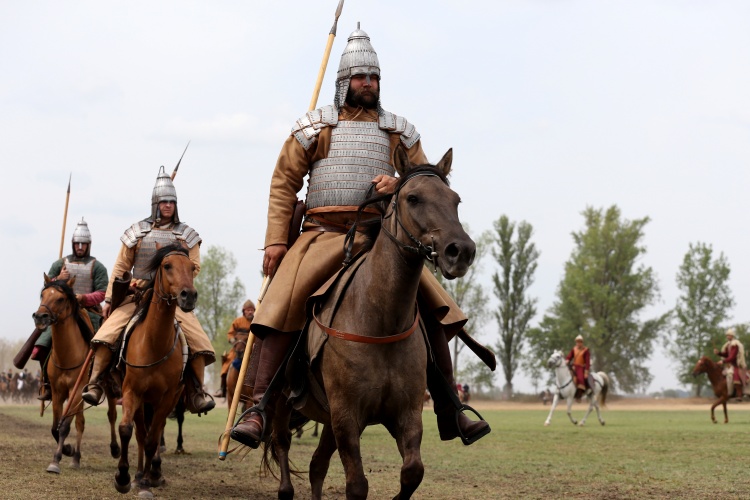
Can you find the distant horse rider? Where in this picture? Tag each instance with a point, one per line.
(580, 359)
(241, 326)
(89, 287)
(733, 355)
(140, 243)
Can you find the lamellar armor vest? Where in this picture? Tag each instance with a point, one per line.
(83, 271)
(149, 237)
(359, 152)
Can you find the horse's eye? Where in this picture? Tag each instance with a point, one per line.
(412, 199)
(167, 266)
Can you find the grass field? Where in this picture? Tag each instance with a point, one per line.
(657, 452)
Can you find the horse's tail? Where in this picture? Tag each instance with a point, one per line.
(605, 389)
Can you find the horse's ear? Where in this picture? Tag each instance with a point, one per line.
(445, 162)
(71, 281)
(401, 160)
(47, 279)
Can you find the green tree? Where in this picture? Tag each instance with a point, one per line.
(601, 297)
(469, 295)
(701, 310)
(220, 295)
(518, 261)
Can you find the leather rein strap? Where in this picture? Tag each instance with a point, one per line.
(364, 339)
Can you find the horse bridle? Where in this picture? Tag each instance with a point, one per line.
(566, 384)
(54, 319)
(426, 251)
(168, 298)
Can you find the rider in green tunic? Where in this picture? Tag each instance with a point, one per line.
(89, 287)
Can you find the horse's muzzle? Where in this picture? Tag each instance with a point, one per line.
(42, 320)
(187, 299)
(457, 257)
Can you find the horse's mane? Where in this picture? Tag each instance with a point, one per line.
(380, 202)
(63, 287)
(151, 268)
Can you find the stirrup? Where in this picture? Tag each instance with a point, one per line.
(264, 419)
(101, 397)
(466, 440)
(211, 403)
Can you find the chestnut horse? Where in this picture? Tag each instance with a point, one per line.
(718, 383)
(153, 383)
(71, 332)
(369, 378)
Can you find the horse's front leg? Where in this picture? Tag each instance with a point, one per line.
(570, 412)
(347, 433)
(152, 476)
(724, 404)
(57, 404)
(282, 441)
(320, 461)
(555, 400)
(717, 403)
(409, 438)
(122, 476)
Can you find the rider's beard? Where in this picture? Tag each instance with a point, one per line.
(366, 98)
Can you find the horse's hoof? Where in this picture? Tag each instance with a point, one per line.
(546, 424)
(53, 468)
(145, 494)
(581, 424)
(180, 451)
(75, 465)
(122, 488)
(603, 422)
(162, 448)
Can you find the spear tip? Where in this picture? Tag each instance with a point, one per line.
(69, 178)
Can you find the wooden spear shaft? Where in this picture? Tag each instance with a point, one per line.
(65, 217)
(241, 378)
(267, 279)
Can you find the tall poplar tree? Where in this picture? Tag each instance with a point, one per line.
(701, 310)
(601, 297)
(517, 260)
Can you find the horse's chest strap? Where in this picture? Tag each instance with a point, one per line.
(364, 339)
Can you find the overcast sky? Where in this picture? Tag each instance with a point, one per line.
(550, 107)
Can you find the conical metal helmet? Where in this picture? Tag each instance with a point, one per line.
(163, 191)
(359, 58)
(81, 233)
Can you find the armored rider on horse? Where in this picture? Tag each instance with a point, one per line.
(139, 245)
(346, 149)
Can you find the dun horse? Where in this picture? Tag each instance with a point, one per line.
(718, 383)
(566, 389)
(375, 373)
(71, 332)
(153, 384)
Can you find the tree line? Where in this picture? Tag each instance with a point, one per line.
(603, 295)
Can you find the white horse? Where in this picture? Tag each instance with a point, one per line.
(566, 388)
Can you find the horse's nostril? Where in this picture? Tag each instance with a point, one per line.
(452, 251)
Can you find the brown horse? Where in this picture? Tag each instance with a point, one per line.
(71, 332)
(718, 383)
(153, 383)
(373, 364)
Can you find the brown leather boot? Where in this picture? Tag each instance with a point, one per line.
(45, 392)
(94, 392)
(451, 422)
(197, 400)
(275, 346)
